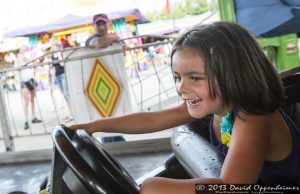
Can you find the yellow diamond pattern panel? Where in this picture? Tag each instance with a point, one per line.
(103, 89)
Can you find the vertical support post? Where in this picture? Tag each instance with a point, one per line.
(227, 10)
(6, 130)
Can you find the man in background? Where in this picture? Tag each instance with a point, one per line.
(101, 38)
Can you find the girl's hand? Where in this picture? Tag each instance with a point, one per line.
(74, 127)
(80, 126)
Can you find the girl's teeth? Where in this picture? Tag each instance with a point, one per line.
(193, 102)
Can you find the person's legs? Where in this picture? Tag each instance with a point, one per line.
(32, 93)
(26, 96)
(32, 98)
(62, 84)
(58, 82)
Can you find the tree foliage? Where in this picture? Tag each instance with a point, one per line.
(180, 9)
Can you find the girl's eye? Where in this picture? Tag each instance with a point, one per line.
(176, 78)
(194, 78)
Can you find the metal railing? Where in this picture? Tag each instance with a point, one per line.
(147, 67)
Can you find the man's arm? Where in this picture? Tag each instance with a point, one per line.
(105, 41)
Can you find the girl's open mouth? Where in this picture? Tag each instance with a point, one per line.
(193, 102)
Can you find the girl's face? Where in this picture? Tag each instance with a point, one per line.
(192, 84)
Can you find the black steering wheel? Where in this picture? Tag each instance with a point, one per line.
(98, 171)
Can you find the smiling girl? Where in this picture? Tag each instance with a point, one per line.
(219, 69)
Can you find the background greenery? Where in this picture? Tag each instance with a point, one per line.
(183, 8)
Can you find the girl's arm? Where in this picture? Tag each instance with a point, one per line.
(243, 163)
(250, 140)
(142, 122)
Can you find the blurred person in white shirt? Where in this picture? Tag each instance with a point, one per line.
(27, 84)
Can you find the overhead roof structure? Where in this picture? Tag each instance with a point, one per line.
(71, 20)
(161, 27)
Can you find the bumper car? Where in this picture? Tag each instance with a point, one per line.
(81, 165)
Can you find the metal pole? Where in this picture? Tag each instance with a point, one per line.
(6, 130)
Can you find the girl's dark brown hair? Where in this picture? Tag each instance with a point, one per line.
(236, 64)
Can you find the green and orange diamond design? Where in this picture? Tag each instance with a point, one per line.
(103, 89)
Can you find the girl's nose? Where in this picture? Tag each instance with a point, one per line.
(182, 86)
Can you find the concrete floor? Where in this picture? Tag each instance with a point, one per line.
(23, 177)
(27, 177)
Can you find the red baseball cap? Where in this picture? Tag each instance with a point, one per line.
(100, 17)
